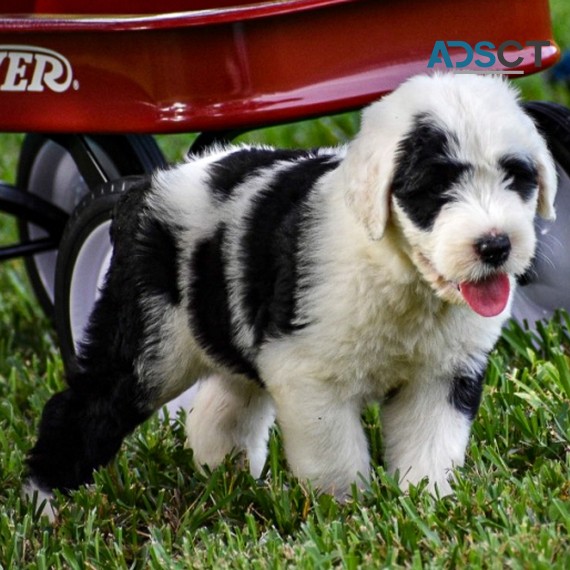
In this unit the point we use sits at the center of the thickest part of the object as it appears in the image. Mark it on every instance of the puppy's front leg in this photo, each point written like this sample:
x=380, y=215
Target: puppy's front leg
x=323, y=435
x=426, y=428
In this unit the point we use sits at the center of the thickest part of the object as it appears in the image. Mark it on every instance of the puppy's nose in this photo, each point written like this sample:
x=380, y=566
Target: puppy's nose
x=493, y=249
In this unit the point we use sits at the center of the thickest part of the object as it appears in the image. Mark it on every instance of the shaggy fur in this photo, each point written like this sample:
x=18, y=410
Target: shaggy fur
x=300, y=285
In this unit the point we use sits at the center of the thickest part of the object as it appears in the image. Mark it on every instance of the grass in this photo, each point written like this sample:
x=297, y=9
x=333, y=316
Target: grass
x=151, y=509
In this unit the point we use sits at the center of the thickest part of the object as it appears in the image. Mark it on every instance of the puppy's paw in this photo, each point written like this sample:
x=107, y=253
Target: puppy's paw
x=209, y=424
x=437, y=486
x=41, y=500
x=441, y=487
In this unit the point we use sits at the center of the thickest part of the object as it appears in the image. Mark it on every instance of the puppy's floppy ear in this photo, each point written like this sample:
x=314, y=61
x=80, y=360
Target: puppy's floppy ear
x=547, y=184
x=368, y=168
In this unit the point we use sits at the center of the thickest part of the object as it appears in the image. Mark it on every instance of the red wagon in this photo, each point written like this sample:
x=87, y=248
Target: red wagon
x=92, y=89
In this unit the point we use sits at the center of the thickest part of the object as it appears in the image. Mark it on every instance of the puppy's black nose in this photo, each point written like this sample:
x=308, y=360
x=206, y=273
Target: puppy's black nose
x=493, y=249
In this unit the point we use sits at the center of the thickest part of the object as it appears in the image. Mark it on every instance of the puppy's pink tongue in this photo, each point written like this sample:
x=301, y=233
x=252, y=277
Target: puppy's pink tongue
x=487, y=297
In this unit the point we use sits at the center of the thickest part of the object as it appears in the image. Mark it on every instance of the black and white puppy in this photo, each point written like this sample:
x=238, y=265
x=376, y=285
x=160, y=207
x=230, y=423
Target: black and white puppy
x=300, y=285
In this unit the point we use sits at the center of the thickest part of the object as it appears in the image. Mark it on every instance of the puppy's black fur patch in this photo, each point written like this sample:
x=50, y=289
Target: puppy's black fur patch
x=209, y=307
x=466, y=392
x=521, y=175
x=425, y=171
x=269, y=256
x=157, y=259
x=233, y=169
x=270, y=248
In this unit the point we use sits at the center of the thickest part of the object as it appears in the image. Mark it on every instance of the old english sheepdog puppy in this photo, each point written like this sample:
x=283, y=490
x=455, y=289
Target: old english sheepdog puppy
x=300, y=285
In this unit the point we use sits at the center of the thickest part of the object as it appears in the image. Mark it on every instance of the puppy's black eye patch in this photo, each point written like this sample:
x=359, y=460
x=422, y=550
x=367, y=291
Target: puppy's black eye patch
x=439, y=175
x=425, y=171
x=520, y=174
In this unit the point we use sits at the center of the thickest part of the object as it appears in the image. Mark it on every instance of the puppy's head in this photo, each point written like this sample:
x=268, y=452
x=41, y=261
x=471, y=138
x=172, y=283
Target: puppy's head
x=456, y=165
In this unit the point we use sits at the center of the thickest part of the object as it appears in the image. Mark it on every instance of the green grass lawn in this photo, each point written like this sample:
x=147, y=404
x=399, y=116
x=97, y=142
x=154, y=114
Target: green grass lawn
x=151, y=509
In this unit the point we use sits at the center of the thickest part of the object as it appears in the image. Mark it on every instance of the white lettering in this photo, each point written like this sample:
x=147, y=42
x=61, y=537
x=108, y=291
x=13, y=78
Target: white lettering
x=15, y=80
x=36, y=84
x=33, y=69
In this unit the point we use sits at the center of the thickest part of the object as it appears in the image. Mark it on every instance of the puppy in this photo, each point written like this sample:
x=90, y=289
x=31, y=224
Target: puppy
x=303, y=284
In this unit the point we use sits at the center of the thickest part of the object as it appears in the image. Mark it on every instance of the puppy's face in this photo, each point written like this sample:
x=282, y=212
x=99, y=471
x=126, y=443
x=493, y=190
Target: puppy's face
x=467, y=173
x=466, y=208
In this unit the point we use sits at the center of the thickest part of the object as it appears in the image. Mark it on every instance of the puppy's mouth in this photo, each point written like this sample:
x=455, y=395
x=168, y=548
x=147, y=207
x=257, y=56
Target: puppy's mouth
x=488, y=297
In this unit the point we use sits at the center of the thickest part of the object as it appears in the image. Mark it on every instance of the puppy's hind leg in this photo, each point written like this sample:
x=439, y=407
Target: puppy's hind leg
x=230, y=414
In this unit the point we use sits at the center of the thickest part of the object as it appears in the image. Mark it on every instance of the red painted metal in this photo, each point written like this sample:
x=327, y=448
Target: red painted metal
x=209, y=65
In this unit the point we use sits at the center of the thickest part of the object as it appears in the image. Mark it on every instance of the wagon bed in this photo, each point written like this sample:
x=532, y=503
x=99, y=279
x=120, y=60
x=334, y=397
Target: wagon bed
x=208, y=65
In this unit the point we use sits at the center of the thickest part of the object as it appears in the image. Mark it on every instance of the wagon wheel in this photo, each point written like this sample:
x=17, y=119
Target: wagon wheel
x=545, y=287
x=84, y=256
x=56, y=168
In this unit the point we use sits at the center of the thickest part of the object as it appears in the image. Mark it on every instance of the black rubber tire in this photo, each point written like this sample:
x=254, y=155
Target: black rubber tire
x=554, y=122
x=544, y=287
x=88, y=223
x=120, y=155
